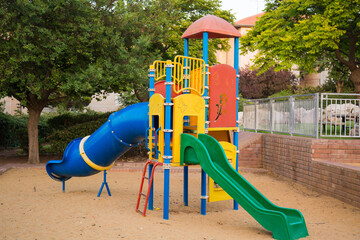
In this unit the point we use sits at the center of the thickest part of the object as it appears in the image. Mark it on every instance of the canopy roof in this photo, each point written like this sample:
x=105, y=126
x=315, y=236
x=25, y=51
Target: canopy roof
x=215, y=26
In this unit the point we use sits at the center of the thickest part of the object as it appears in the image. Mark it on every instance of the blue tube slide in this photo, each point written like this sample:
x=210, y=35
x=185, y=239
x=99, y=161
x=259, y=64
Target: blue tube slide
x=89, y=155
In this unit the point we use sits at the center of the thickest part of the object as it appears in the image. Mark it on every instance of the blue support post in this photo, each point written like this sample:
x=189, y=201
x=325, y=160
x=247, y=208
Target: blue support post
x=104, y=184
x=203, y=174
x=186, y=47
x=151, y=92
x=151, y=80
x=186, y=168
x=63, y=184
x=186, y=185
x=167, y=135
x=236, y=135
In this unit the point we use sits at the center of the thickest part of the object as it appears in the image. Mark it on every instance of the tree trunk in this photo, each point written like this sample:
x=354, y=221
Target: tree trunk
x=339, y=86
x=355, y=78
x=33, y=134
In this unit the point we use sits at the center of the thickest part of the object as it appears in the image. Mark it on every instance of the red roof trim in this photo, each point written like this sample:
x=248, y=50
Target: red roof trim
x=248, y=21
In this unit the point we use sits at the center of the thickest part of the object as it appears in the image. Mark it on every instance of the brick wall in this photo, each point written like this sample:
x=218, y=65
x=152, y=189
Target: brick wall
x=306, y=160
x=250, y=150
x=343, y=151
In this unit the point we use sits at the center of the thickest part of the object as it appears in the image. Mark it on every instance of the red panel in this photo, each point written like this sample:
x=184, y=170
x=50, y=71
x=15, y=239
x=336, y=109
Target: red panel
x=161, y=89
x=222, y=92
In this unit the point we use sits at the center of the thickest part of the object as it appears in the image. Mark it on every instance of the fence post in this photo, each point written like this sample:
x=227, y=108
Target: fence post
x=321, y=114
x=292, y=115
x=256, y=103
x=271, y=103
x=317, y=115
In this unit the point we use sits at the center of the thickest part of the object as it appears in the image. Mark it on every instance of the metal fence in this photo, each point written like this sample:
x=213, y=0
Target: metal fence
x=340, y=115
x=333, y=115
x=292, y=115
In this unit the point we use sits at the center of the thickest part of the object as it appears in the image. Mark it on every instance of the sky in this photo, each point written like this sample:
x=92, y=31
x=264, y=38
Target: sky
x=243, y=8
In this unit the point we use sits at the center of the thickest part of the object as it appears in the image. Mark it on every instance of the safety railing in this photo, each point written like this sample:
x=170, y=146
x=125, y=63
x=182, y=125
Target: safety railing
x=293, y=115
x=160, y=72
x=331, y=115
x=340, y=115
x=192, y=71
x=188, y=74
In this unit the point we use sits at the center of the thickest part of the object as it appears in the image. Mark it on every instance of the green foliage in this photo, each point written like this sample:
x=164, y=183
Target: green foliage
x=302, y=32
x=252, y=85
x=153, y=32
x=14, y=131
x=2, y=106
x=8, y=125
x=60, y=138
x=53, y=51
x=76, y=51
x=70, y=119
x=241, y=103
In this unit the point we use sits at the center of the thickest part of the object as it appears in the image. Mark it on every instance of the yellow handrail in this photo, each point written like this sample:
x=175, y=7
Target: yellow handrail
x=193, y=71
x=188, y=73
x=160, y=71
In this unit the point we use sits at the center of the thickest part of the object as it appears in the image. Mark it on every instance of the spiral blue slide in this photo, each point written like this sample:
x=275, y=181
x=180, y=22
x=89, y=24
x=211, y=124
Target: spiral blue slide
x=89, y=155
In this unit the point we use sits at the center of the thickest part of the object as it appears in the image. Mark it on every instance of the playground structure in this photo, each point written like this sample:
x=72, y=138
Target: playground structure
x=191, y=118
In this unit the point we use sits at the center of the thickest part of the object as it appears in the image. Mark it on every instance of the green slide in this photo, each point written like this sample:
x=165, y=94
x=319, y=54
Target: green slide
x=284, y=223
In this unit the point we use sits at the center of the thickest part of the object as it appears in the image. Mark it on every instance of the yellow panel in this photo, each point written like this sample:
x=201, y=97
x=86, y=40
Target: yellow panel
x=216, y=193
x=186, y=105
x=156, y=108
x=221, y=135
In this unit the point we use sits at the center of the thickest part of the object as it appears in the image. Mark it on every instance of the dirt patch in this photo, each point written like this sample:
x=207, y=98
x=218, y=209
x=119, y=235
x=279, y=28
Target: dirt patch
x=32, y=206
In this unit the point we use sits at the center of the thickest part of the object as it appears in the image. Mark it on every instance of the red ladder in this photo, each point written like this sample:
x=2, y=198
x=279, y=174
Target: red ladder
x=141, y=194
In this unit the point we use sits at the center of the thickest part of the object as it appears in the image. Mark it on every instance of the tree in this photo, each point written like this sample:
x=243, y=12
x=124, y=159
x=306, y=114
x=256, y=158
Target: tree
x=162, y=23
x=252, y=85
x=300, y=32
x=52, y=51
x=56, y=50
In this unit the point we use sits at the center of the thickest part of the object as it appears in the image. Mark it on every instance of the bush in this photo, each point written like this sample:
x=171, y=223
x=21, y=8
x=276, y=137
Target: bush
x=11, y=129
x=70, y=119
x=14, y=131
x=254, y=86
x=60, y=138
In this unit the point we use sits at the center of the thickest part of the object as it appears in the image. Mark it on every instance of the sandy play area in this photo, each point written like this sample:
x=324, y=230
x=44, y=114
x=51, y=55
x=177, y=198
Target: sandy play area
x=32, y=206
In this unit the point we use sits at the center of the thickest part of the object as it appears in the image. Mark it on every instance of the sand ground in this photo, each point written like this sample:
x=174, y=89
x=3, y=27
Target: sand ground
x=32, y=206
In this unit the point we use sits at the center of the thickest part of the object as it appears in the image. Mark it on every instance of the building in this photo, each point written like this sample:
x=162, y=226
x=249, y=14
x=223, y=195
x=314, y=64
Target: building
x=109, y=103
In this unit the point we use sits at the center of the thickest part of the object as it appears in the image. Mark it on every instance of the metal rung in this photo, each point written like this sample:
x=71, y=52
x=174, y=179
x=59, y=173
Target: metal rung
x=146, y=178
x=142, y=194
x=140, y=211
